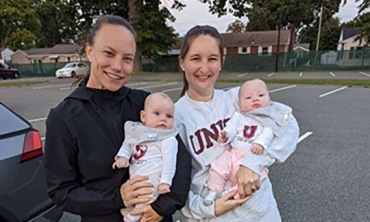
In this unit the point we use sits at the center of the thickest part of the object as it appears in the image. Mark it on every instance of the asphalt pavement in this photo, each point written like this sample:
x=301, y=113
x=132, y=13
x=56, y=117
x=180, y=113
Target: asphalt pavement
x=326, y=179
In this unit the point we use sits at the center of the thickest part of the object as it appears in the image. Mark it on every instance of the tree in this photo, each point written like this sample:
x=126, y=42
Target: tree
x=268, y=14
x=47, y=13
x=330, y=34
x=19, y=23
x=236, y=26
x=362, y=22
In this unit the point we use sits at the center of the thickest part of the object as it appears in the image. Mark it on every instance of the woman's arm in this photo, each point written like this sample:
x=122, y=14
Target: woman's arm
x=63, y=185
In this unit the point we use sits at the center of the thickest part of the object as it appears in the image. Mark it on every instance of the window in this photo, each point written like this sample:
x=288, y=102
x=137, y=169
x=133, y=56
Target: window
x=265, y=50
x=351, y=52
x=244, y=50
x=358, y=53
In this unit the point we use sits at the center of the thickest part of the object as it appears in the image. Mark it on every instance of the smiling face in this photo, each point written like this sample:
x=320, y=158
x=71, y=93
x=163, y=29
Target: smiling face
x=112, y=57
x=253, y=94
x=202, y=64
x=158, y=111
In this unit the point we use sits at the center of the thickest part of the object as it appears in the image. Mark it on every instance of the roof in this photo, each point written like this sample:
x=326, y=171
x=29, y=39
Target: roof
x=349, y=32
x=58, y=49
x=304, y=46
x=255, y=38
x=249, y=38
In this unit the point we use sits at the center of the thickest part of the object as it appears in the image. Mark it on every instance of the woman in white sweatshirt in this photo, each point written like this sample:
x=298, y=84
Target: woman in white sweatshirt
x=201, y=113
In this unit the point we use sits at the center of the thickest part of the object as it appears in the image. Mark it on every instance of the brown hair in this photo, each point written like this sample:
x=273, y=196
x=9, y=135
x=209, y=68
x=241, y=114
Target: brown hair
x=102, y=20
x=188, y=40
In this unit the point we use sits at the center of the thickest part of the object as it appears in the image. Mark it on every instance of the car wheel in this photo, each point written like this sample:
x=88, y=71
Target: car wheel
x=16, y=75
x=73, y=75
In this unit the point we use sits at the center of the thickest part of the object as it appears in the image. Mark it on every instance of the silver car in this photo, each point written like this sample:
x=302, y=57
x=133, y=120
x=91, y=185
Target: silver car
x=23, y=194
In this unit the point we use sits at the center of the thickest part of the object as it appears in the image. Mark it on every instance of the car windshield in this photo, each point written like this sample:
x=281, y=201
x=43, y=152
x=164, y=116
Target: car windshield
x=10, y=122
x=70, y=65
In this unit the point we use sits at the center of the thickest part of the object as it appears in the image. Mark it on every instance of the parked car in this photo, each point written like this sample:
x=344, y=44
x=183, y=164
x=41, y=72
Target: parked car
x=7, y=72
x=23, y=195
x=72, y=69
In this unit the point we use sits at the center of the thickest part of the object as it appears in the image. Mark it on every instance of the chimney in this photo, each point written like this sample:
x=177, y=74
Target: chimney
x=292, y=38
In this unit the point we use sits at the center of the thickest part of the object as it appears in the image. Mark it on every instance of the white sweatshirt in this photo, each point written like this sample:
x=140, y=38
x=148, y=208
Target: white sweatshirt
x=198, y=124
x=153, y=152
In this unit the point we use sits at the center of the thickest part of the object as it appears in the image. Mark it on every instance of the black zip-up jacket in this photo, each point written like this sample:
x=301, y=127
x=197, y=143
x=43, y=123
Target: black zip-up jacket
x=83, y=134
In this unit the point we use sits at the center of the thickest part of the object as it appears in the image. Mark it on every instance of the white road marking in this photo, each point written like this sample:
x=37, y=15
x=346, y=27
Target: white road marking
x=136, y=84
x=53, y=86
x=331, y=73
x=284, y=88
x=35, y=120
x=328, y=93
x=67, y=88
x=42, y=138
x=170, y=90
x=364, y=73
x=304, y=136
x=300, y=74
x=167, y=84
x=271, y=74
x=240, y=75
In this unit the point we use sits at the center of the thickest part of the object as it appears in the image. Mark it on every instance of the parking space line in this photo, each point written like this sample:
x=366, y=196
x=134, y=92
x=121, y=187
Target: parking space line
x=331, y=73
x=35, y=120
x=53, y=86
x=284, y=88
x=365, y=74
x=240, y=75
x=300, y=74
x=42, y=138
x=271, y=74
x=304, y=136
x=170, y=90
x=167, y=84
x=328, y=93
x=136, y=84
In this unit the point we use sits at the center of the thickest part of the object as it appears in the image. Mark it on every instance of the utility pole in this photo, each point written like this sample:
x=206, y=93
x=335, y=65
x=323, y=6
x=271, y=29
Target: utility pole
x=278, y=44
x=319, y=33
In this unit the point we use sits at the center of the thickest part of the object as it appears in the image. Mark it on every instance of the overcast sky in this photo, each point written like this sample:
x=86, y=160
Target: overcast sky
x=196, y=13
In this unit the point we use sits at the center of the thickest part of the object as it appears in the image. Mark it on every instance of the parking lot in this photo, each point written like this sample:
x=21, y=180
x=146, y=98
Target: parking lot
x=326, y=179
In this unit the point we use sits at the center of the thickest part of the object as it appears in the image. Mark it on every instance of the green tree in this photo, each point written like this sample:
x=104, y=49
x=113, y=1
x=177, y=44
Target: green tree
x=19, y=23
x=236, y=26
x=47, y=12
x=330, y=33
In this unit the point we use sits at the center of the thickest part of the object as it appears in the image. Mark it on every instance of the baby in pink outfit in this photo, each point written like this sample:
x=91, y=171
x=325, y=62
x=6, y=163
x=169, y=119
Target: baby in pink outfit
x=245, y=134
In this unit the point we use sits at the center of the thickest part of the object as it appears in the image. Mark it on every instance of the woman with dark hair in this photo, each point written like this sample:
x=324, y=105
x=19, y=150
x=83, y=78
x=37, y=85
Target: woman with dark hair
x=85, y=131
x=200, y=114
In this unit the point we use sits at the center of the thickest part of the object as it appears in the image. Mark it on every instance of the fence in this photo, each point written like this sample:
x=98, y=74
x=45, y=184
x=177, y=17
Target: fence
x=292, y=61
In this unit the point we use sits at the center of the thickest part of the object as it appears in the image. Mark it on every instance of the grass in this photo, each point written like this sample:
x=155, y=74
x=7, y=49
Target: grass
x=25, y=83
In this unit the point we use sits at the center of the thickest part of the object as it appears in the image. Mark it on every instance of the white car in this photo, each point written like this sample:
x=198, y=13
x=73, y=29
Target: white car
x=72, y=69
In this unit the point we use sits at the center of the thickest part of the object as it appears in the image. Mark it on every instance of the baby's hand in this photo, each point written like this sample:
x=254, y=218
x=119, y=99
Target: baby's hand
x=223, y=136
x=257, y=148
x=121, y=162
x=163, y=188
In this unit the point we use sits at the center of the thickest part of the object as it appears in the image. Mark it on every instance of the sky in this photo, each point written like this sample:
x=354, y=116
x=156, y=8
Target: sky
x=196, y=13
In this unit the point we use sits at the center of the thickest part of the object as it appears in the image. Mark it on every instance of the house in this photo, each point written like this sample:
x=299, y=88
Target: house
x=58, y=53
x=260, y=42
x=5, y=54
x=350, y=51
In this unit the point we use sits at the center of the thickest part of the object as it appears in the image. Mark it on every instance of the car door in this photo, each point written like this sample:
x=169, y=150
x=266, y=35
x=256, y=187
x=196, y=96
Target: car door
x=82, y=69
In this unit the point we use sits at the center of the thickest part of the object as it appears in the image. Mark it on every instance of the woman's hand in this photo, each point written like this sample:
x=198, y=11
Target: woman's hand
x=225, y=203
x=148, y=214
x=137, y=190
x=248, y=181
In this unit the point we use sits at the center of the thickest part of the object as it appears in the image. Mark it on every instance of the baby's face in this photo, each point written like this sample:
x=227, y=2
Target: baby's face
x=158, y=113
x=253, y=95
